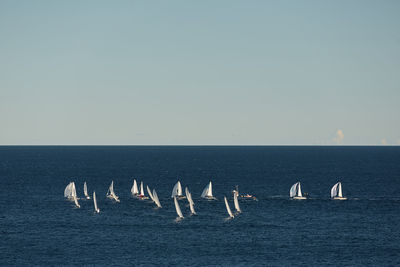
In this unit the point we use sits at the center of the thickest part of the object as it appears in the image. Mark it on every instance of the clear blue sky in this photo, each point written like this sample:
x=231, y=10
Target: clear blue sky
x=200, y=72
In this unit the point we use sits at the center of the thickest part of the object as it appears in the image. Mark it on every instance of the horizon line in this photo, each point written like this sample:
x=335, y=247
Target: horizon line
x=320, y=145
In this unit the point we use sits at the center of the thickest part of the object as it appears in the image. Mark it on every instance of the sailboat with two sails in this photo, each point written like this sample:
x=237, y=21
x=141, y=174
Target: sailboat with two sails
x=70, y=193
x=207, y=192
x=177, y=191
x=111, y=194
x=295, y=191
x=336, y=192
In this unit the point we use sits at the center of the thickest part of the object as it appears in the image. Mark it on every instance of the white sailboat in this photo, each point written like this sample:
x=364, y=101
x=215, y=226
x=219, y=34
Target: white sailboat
x=178, y=209
x=111, y=194
x=336, y=192
x=141, y=194
x=295, y=191
x=155, y=198
x=236, y=201
x=149, y=192
x=207, y=192
x=228, y=209
x=134, y=189
x=96, y=209
x=190, y=200
x=177, y=191
x=70, y=193
x=85, y=191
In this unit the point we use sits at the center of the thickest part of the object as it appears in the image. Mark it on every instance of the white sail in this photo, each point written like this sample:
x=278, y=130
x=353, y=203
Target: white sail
x=76, y=202
x=299, y=194
x=67, y=190
x=110, y=192
x=228, y=209
x=236, y=201
x=134, y=189
x=149, y=192
x=190, y=200
x=70, y=191
x=177, y=190
x=340, y=190
x=207, y=192
x=155, y=198
x=85, y=192
x=96, y=209
x=334, y=190
x=178, y=209
x=191, y=204
x=188, y=196
x=293, y=190
x=141, y=189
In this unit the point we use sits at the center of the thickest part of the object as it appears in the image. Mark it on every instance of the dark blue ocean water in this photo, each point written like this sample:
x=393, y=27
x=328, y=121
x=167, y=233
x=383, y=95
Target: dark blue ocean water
x=39, y=227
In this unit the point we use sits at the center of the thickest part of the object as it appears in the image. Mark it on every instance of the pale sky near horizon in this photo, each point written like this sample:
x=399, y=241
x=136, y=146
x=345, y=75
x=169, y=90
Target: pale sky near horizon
x=200, y=72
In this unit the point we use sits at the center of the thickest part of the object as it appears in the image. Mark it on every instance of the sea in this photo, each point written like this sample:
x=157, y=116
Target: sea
x=39, y=227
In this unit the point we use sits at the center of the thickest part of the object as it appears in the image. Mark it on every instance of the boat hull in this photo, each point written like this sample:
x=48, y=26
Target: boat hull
x=339, y=198
x=180, y=197
x=210, y=198
x=113, y=198
x=299, y=198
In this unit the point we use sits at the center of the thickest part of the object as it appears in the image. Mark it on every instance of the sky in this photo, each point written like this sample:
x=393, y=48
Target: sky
x=200, y=72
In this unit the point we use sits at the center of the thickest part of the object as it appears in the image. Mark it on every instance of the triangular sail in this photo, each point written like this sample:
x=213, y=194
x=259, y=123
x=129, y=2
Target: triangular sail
x=228, y=209
x=177, y=190
x=68, y=190
x=334, y=190
x=141, y=189
x=149, y=192
x=205, y=191
x=209, y=193
x=155, y=198
x=340, y=190
x=76, y=202
x=85, y=192
x=178, y=209
x=190, y=200
x=96, y=209
x=74, y=195
x=299, y=194
x=110, y=191
x=191, y=205
x=293, y=190
x=134, y=189
x=188, y=195
x=236, y=201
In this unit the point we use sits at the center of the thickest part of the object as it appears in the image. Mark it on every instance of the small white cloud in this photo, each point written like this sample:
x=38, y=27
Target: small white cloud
x=384, y=142
x=339, y=137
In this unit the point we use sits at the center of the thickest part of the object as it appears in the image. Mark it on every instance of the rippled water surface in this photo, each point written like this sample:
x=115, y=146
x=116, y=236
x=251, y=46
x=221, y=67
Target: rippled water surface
x=39, y=227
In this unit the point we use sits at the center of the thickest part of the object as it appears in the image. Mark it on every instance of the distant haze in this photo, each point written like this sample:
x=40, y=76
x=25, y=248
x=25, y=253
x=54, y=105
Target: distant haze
x=200, y=72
